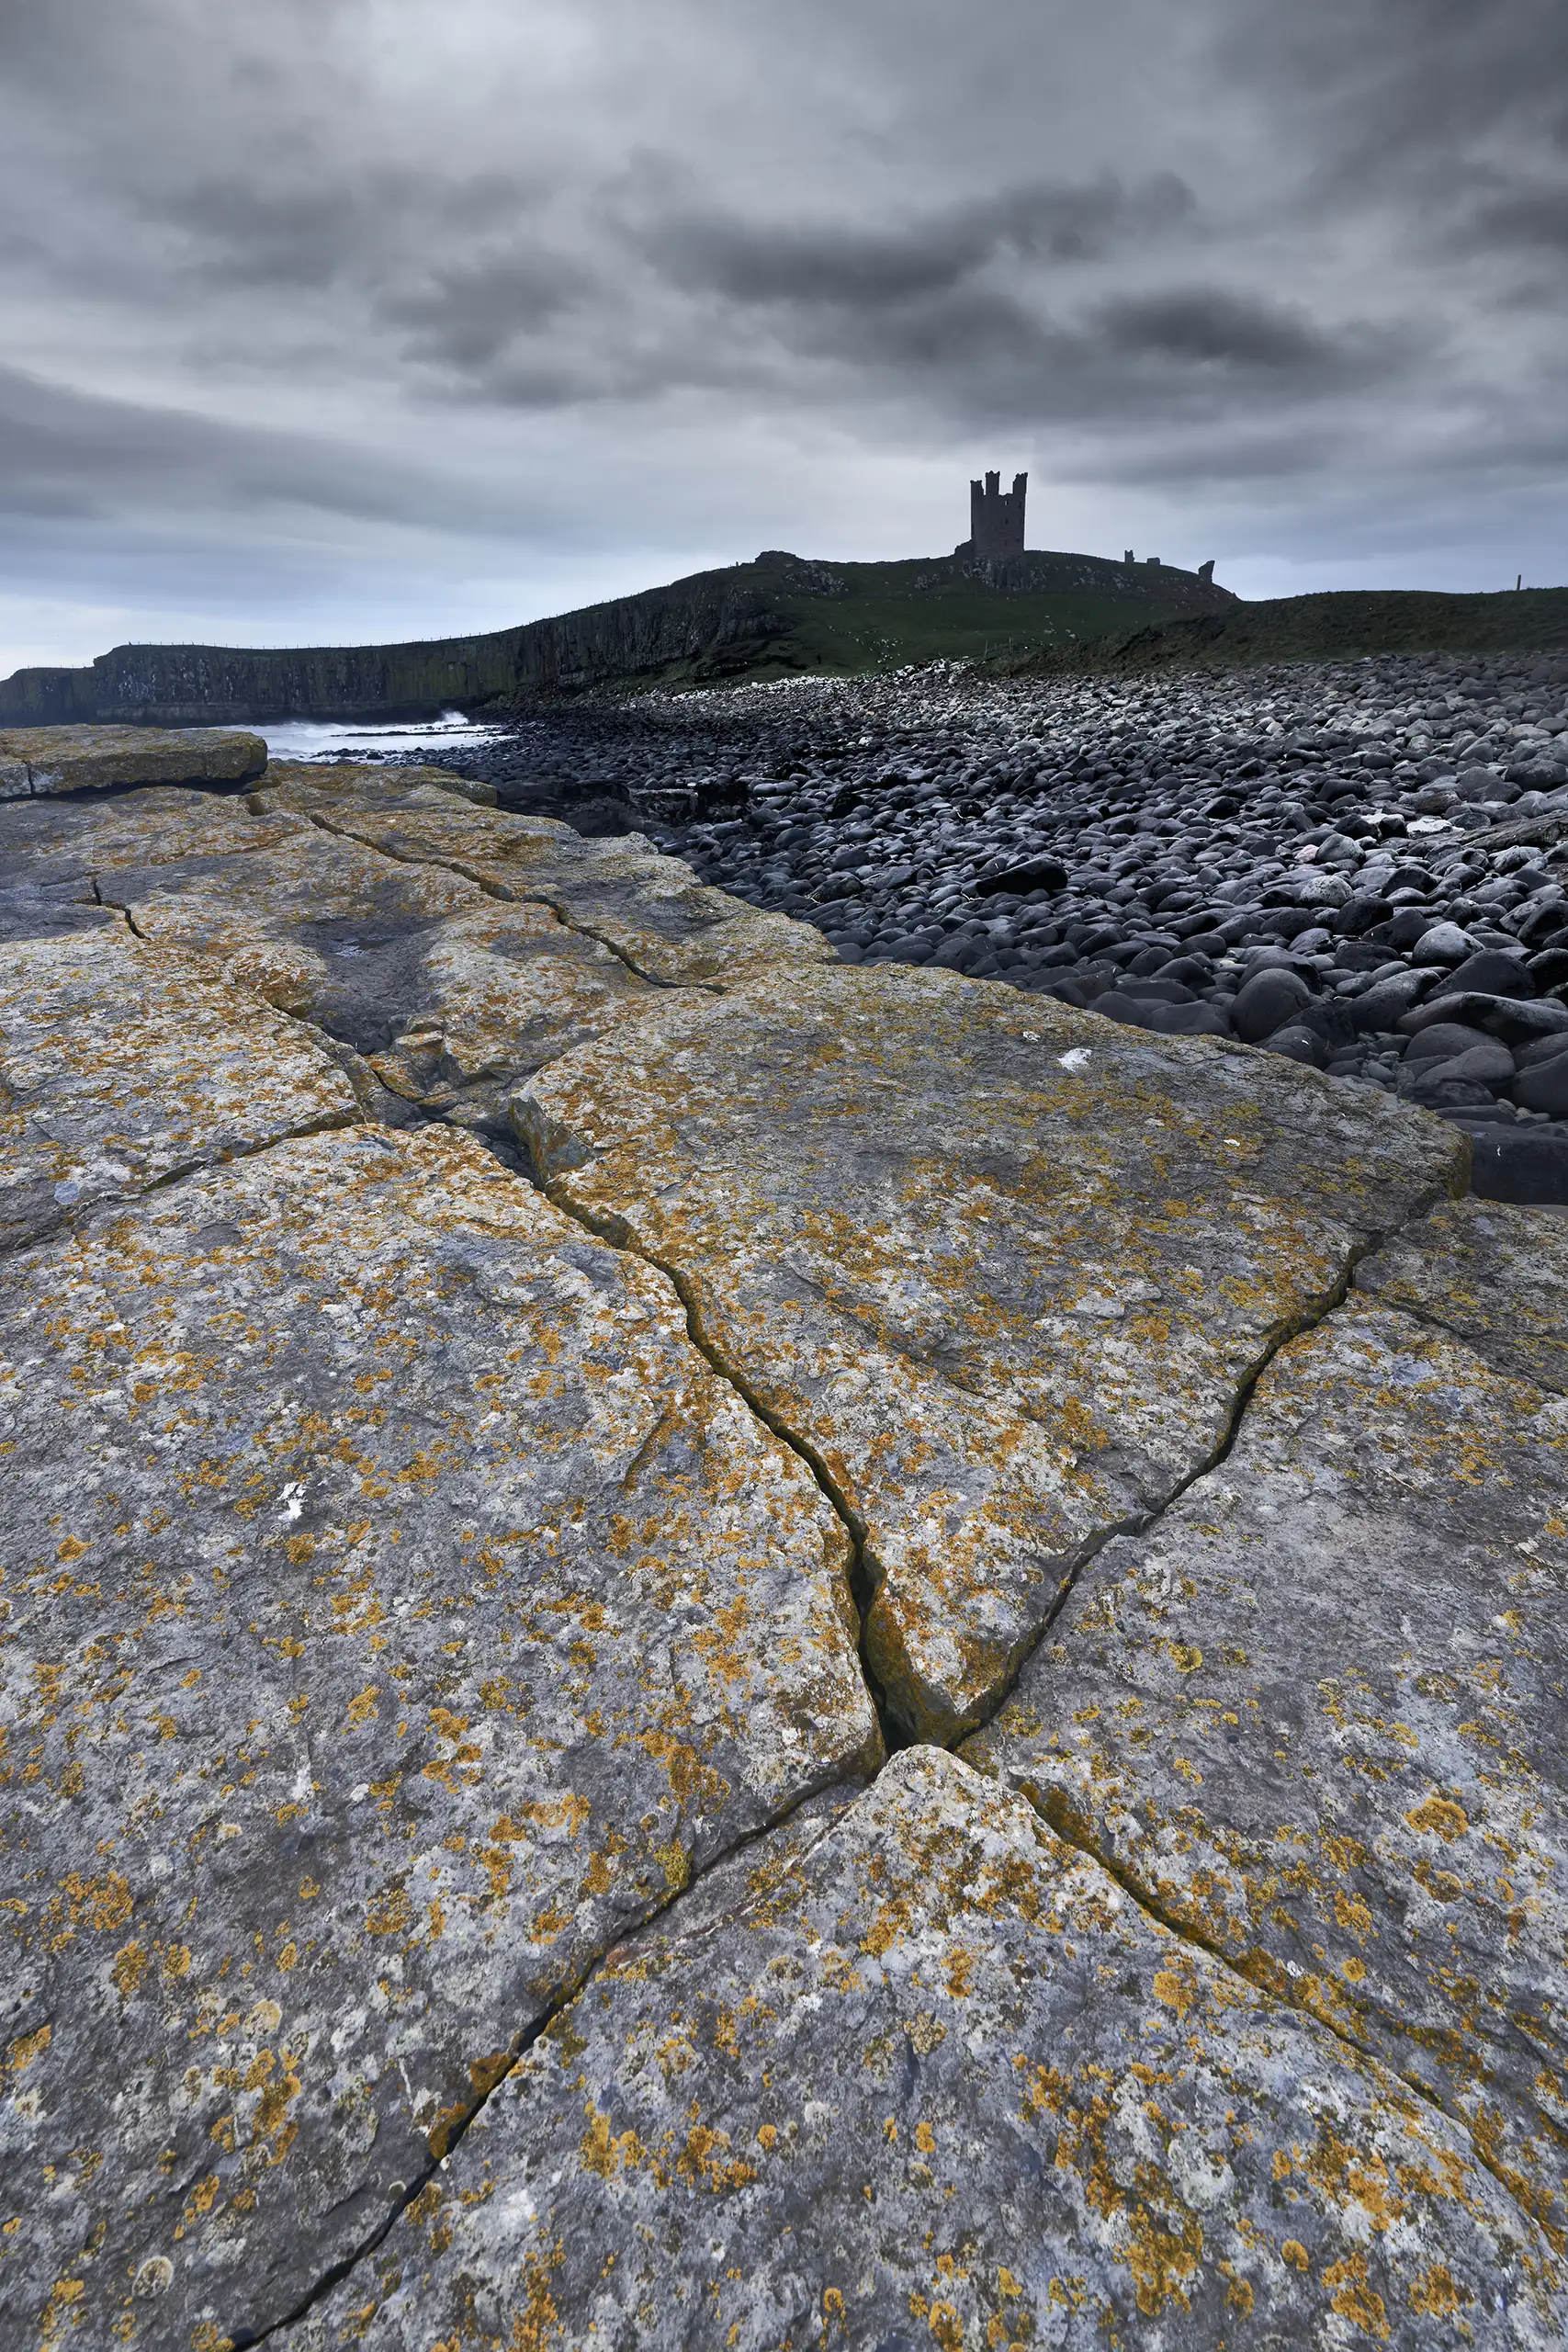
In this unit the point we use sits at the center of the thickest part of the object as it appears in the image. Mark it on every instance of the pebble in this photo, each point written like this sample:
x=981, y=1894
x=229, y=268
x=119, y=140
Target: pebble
x=1320, y=859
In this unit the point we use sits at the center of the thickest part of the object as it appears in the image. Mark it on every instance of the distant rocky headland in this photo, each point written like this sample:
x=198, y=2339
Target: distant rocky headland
x=786, y=615
x=779, y=615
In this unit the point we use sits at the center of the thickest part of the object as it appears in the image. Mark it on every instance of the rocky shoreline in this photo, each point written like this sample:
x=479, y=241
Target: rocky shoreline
x=704, y=1646
x=1364, y=866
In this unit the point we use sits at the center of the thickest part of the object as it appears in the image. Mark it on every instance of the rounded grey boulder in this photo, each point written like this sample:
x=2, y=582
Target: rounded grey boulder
x=1544, y=1088
x=1445, y=1040
x=1445, y=943
x=1495, y=971
x=1298, y=1044
x=1268, y=1001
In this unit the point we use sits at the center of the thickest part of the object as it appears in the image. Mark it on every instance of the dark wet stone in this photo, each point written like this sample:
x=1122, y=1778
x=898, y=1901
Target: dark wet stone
x=1190, y=1021
x=1446, y=1086
x=1488, y=1059
x=1513, y=1164
x=1156, y=989
x=1544, y=1088
x=1037, y=874
x=1268, y=1000
x=1443, y=1040
x=1509, y=1018
x=1494, y=970
x=1385, y=1003
x=1297, y=1043
x=1538, y=1050
x=1359, y=914
x=1196, y=971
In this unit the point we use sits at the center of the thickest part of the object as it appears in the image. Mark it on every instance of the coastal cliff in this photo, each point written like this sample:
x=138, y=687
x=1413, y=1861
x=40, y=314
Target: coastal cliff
x=778, y=614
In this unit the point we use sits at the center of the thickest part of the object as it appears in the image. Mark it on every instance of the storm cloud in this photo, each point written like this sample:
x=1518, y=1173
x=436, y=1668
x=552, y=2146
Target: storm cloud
x=364, y=318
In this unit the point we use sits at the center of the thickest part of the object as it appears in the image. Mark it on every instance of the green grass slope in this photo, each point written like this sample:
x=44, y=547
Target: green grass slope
x=779, y=615
x=1341, y=625
x=857, y=617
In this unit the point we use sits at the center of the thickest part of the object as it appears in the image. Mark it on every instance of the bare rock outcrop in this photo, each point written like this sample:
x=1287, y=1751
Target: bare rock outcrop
x=523, y=1381
x=40, y=760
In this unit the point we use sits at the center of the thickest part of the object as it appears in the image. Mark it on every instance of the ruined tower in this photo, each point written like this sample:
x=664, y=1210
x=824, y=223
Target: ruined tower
x=996, y=517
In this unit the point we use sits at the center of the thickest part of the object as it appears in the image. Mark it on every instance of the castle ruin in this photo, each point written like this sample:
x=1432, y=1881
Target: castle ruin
x=996, y=517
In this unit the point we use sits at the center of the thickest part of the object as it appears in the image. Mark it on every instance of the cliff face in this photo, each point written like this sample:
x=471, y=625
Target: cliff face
x=780, y=614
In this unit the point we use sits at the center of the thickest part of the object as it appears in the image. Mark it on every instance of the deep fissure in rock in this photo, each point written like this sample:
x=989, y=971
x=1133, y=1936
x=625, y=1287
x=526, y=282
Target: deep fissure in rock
x=241, y=2339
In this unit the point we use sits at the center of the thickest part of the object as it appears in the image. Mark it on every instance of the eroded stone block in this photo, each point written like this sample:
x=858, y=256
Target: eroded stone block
x=667, y=926
x=1318, y=1717
x=398, y=1609
x=1493, y=1275
x=120, y=1067
x=44, y=760
x=52, y=849
x=939, y=2081
x=455, y=997
x=1003, y=1268
x=359, y=779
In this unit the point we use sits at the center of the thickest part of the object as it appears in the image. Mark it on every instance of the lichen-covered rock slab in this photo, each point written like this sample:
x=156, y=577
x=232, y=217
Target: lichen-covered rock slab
x=939, y=2081
x=1318, y=1717
x=44, y=760
x=120, y=1067
x=1495, y=1275
x=360, y=777
x=1003, y=1268
x=51, y=850
x=320, y=927
x=449, y=992
x=667, y=927
x=505, y=989
x=397, y=1609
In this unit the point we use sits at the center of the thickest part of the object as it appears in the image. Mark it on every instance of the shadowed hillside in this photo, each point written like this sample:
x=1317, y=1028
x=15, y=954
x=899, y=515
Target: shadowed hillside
x=1338, y=625
x=778, y=614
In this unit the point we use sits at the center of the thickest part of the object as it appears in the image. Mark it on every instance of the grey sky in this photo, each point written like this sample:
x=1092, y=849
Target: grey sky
x=348, y=319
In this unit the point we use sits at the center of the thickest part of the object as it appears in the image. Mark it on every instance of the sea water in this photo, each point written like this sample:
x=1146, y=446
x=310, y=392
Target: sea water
x=310, y=739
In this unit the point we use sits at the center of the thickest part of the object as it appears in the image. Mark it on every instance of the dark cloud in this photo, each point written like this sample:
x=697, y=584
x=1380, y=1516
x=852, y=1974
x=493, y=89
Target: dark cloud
x=848, y=264
x=1209, y=328
x=314, y=226
x=1528, y=222
x=465, y=317
x=74, y=456
x=1408, y=93
x=643, y=288
x=270, y=236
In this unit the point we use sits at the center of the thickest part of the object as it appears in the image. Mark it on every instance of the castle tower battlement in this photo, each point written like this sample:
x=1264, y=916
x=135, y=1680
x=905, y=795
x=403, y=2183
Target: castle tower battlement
x=996, y=517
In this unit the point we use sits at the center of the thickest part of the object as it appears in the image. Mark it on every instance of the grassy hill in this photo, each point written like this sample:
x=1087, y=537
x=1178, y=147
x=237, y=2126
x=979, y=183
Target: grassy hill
x=1341, y=625
x=855, y=617
x=779, y=615
x=782, y=615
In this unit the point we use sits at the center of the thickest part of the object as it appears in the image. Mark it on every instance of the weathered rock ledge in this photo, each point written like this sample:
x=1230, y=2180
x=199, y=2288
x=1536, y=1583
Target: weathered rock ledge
x=701, y=1646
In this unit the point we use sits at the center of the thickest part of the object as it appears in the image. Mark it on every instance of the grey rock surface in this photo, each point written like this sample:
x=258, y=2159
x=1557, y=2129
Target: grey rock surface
x=398, y=1609
x=937, y=2081
x=449, y=1636
x=647, y=910
x=444, y=990
x=1004, y=1269
x=1315, y=1718
x=120, y=1069
x=39, y=761
x=1493, y=1275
